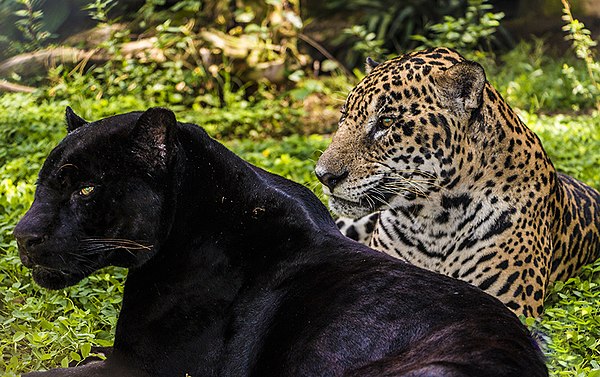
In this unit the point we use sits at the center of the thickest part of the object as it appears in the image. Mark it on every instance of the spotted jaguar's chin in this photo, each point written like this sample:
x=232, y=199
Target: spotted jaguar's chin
x=52, y=278
x=348, y=208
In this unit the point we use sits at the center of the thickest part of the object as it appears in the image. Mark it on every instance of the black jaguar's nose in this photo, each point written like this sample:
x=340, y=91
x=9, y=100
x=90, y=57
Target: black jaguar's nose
x=27, y=240
x=31, y=241
x=329, y=179
x=27, y=243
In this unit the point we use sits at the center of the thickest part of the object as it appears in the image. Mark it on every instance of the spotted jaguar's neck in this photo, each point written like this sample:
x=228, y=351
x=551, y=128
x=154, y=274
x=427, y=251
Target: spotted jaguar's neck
x=498, y=150
x=438, y=225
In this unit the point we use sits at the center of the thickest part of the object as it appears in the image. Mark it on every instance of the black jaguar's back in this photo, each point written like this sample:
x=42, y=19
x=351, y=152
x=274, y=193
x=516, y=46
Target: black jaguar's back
x=238, y=272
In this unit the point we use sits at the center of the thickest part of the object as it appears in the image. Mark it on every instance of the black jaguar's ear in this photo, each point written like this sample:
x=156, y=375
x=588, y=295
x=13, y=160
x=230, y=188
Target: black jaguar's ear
x=153, y=136
x=74, y=121
x=370, y=64
x=464, y=83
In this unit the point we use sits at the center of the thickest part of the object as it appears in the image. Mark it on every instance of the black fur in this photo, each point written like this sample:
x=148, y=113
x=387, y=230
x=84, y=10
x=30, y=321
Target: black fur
x=239, y=272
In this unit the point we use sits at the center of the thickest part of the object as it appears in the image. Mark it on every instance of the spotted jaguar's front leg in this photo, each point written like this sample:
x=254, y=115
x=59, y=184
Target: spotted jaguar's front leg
x=360, y=229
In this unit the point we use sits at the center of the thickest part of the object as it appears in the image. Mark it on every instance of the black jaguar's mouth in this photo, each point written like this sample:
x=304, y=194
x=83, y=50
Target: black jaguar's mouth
x=53, y=278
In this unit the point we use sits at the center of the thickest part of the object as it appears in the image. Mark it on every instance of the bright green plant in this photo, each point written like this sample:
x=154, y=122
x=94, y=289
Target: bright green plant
x=29, y=21
x=392, y=22
x=583, y=45
x=475, y=28
x=572, y=315
x=531, y=77
x=98, y=9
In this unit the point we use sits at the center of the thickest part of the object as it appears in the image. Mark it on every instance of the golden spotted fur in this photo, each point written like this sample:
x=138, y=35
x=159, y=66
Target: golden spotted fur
x=434, y=167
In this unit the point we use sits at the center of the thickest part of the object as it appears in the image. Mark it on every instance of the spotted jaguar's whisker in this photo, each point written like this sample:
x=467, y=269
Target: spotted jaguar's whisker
x=412, y=171
x=382, y=201
x=381, y=192
x=401, y=188
x=416, y=184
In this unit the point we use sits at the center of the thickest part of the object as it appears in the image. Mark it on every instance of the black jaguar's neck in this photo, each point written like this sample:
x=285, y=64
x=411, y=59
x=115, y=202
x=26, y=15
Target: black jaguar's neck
x=221, y=194
x=232, y=222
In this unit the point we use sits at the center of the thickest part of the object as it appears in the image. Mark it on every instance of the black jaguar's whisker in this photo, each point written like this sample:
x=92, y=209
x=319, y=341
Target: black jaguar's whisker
x=97, y=247
x=129, y=251
x=110, y=240
x=86, y=265
x=110, y=247
x=117, y=242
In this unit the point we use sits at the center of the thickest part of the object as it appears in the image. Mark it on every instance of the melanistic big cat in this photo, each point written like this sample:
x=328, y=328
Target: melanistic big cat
x=237, y=272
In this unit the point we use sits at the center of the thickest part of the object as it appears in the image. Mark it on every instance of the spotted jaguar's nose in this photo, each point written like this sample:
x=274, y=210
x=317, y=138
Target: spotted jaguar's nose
x=330, y=179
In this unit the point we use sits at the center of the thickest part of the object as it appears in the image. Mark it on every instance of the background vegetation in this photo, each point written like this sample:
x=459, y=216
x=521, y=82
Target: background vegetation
x=267, y=78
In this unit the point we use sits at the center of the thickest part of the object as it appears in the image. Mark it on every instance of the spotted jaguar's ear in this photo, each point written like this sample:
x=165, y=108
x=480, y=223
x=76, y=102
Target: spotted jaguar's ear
x=153, y=136
x=463, y=83
x=370, y=64
x=74, y=121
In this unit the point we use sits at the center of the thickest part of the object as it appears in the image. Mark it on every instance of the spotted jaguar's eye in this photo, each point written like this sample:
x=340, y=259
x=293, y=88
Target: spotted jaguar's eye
x=86, y=191
x=386, y=122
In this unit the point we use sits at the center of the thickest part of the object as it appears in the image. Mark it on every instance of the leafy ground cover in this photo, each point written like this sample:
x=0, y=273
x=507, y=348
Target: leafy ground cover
x=43, y=329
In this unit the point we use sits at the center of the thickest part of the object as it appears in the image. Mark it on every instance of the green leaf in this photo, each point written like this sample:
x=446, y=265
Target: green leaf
x=75, y=356
x=85, y=349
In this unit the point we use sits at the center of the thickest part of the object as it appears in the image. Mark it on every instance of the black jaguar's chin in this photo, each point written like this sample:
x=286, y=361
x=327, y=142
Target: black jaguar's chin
x=52, y=278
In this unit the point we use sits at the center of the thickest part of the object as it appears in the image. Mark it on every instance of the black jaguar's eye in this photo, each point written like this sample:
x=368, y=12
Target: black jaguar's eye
x=86, y=191
x=385, y=122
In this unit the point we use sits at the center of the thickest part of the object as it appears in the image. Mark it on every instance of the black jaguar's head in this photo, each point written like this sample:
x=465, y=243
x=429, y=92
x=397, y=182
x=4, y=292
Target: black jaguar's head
x=102, y=197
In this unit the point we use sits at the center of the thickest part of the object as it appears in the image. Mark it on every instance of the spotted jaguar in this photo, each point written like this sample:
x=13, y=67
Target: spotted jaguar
x=431, y=165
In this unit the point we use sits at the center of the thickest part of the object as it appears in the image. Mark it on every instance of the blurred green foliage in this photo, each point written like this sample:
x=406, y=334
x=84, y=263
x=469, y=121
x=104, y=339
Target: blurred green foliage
x=467, y=32
x=532, y=78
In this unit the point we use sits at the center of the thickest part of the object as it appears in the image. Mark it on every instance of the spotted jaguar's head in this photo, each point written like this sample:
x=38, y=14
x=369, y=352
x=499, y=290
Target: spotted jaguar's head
x=403, y=133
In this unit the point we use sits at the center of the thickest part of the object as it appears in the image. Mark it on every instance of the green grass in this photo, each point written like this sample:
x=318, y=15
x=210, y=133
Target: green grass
x=531, y=78
x=42, y=329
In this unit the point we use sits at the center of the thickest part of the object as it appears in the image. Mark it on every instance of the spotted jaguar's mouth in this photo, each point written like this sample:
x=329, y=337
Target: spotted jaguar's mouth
x=374, y=199
x=353, y=209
